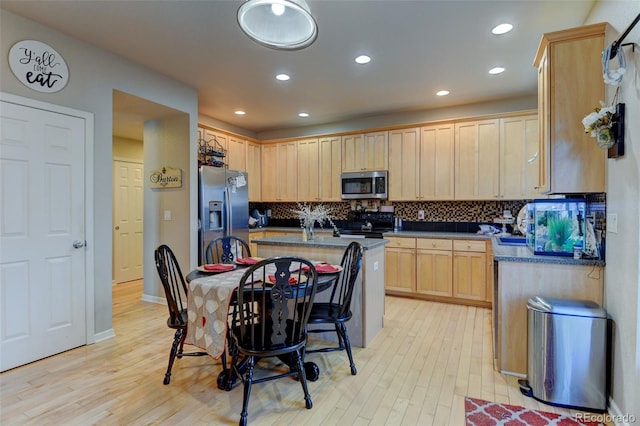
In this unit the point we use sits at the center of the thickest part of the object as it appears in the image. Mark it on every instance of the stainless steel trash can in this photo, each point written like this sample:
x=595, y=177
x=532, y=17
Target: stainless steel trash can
x=568, y=353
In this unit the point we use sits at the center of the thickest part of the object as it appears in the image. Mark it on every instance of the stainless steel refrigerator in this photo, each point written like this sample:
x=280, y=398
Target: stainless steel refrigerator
x=223, y=206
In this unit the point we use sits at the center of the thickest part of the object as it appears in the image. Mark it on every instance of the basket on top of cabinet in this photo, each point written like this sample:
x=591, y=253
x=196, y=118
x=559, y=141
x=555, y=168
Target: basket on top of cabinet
x=211, y=153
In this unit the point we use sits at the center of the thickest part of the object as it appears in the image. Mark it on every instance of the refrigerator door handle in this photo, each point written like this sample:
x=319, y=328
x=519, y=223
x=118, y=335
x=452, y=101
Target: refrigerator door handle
x=227, y=202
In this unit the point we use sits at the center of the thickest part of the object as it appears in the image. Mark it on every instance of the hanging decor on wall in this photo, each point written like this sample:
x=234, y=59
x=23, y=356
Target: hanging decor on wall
x=165, y=177
x=38, y=66
x=606, y=126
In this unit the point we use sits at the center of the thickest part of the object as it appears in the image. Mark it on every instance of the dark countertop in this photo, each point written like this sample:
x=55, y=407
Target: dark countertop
x=291, y=229
x=502, y=253
x=444, y=235
x=507, y=253
x=320, y=241
x=401, y=234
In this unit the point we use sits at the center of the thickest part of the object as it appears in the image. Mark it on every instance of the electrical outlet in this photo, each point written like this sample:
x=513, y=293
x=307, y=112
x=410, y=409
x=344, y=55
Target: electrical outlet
x=375, y=266
x=612, y=223
x=167, y=215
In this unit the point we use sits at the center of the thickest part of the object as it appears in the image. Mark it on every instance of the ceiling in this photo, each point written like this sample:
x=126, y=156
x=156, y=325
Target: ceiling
x=417, y=47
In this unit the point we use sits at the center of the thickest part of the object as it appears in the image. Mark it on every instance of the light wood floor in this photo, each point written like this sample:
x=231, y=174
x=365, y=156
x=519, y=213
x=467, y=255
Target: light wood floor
x=417, y=371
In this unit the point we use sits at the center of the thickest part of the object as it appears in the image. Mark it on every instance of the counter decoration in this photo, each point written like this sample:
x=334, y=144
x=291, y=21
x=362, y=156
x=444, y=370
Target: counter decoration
x=309, y=215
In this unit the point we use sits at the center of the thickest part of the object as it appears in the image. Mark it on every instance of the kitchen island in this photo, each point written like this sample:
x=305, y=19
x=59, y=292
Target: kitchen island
x=367, y=302
x=520, y=275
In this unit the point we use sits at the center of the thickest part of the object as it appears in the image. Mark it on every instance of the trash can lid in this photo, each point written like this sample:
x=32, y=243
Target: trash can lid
x=578, y=308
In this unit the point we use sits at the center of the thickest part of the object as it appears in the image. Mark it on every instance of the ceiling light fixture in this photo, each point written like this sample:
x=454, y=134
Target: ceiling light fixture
x=283, y=77
x=502, y=29
x=303, y=114
x=442, y=93
x=363, y=59
x=239, y=112
x=496, y=70
x=278, y=24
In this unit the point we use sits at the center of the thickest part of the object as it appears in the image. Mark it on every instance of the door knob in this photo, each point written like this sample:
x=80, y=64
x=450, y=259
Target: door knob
x=78, y=244
x=117, y=227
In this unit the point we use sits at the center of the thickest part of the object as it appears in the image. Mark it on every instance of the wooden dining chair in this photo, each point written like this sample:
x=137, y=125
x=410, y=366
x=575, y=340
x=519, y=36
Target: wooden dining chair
x=175, y=289
x=337, y=311
x=226, y=249
x=269, y=325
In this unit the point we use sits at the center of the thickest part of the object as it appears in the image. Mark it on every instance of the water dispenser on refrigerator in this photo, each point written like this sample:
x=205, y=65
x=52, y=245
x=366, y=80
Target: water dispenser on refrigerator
x=215, y=215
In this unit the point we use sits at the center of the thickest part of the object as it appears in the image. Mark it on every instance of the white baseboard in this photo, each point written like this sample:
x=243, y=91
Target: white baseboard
x=617, y=417
x=104, y=335
x=153, y=299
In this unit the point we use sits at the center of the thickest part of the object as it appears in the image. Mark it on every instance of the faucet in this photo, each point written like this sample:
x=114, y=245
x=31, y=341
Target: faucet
x=367, y=227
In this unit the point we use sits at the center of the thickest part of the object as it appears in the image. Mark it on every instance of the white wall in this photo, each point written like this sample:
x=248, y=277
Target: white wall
x=622, y=273
x=94, y=75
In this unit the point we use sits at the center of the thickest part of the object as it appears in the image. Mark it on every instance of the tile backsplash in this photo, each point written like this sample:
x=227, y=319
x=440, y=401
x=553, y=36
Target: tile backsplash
x=434, y=211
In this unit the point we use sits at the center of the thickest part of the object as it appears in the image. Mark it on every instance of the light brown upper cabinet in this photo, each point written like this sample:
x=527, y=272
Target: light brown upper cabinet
x=519, y=142
x=330, y=167
x=368, y=151
x=308, y=170
x=570, y=85
x=254, y=172
x=421, y=163
x=477, y=146
x=319, y=167
x=404, y=168
x=280, y=172
x=236, y=153
x=436, y=170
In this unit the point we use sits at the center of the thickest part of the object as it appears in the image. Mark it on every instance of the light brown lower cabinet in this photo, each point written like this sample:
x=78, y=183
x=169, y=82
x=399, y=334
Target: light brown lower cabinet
x=434, y=267
x=470, y=270
x=255, y=235
x=439, y=269
x=400, y=265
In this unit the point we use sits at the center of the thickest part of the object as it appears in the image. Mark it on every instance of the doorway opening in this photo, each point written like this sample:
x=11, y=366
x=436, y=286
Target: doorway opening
x=130, y=113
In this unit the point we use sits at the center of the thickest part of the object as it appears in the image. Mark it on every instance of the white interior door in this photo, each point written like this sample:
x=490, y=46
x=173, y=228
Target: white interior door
x=42, y=234
x=128, y=213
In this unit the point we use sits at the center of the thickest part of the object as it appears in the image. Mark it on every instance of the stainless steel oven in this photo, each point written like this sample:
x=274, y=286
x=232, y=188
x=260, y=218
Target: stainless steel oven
x=365, y=185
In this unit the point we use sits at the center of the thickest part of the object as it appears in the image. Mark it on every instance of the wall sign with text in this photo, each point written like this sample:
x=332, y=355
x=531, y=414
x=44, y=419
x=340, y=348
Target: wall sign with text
x=166, y=177
x=38, y=66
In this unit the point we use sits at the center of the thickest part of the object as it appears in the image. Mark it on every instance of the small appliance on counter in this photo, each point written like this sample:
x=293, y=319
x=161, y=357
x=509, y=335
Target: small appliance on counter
x=262, y=220
x=556, y=226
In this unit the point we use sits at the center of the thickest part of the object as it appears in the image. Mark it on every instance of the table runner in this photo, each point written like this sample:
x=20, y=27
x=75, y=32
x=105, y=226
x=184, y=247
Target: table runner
x=207, y=310
x=208, y=302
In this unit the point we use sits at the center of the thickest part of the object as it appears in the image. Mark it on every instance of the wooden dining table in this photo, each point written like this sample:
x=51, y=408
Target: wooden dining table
x=209, y=298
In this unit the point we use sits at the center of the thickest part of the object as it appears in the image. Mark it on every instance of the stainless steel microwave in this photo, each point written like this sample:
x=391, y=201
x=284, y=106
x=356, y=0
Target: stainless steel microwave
x=363, y=185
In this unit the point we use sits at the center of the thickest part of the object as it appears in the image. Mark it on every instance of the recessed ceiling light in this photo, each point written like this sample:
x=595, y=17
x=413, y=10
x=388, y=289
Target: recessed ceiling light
x=303, y=114
x=496, y=70
x=442, y=93
x=283, y=77
x=363, y=59
x=239, y=112
x=502, y=28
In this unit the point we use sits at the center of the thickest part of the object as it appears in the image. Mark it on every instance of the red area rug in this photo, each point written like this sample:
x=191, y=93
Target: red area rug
x=484, y=413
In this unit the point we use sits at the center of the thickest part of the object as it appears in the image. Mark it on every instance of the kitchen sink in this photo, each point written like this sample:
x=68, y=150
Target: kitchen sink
x=512, y=241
